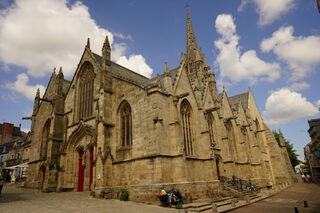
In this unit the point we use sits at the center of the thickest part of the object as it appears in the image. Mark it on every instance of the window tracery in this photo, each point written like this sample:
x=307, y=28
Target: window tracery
x=125, y=124
x=86, y=84
x=186, y=114
x=44, y=140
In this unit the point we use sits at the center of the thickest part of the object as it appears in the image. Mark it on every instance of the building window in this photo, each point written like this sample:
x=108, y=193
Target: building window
x=125, y=124
x=210, y=121
x=231, y=139
x=186, y=115
x=45, y=139
x=86, y=91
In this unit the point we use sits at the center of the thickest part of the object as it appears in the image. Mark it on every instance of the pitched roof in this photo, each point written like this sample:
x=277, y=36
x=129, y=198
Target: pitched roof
x=234, y=100
x=122, y=72
x=173, y=73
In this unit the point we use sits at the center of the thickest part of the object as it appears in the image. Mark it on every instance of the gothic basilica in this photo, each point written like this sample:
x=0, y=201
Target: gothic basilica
x=110, y=128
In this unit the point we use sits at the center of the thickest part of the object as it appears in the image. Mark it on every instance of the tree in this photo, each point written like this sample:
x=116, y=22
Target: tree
x=291, y=151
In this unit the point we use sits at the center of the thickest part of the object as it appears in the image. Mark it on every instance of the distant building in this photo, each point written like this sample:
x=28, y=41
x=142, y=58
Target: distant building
x=14, y=149
x=312, y=149
x=9, y=133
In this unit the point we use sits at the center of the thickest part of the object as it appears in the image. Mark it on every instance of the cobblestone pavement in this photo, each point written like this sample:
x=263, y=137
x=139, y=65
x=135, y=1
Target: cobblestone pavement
x=21, y=200
x=286, y=200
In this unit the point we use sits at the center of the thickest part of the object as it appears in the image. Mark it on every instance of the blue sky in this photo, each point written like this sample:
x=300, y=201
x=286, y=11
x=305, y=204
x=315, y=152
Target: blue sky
x=273, y=47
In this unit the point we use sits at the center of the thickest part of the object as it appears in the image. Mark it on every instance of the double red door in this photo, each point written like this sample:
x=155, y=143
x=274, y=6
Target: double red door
x=81, y=171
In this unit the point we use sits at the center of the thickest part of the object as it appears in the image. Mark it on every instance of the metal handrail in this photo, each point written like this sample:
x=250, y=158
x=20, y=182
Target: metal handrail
x=239, y=183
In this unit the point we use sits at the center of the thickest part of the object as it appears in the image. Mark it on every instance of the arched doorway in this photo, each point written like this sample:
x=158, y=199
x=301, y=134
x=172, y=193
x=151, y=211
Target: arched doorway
x=79, y=161
x=43, y=177
x=218, y=169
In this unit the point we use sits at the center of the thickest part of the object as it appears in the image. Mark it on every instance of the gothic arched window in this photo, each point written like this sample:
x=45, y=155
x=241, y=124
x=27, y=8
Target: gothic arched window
x=44, y=140
x=125, y=124
x=231, y=141
x=86, y=91
x=186, y=114
x=210, y=121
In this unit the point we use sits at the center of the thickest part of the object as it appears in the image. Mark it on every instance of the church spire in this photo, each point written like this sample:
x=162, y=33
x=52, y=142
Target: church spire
x=191, y=39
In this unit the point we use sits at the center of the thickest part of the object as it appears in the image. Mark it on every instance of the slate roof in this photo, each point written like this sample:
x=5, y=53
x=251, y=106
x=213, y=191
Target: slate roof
x=234, y=100
x=122, y=72
x=173, y=73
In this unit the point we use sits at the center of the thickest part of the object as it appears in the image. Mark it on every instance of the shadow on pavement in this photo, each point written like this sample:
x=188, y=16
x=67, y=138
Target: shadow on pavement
x=11, y=197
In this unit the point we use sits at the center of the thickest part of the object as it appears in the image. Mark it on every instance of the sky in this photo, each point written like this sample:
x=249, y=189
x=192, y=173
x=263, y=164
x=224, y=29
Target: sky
x=272, y=47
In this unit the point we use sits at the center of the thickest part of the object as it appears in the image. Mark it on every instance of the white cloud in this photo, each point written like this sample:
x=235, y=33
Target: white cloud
x=119, y=35
x=269, y=10
x=284, y=105
x=239, y=67
x=318, y=103
x=136, y=63
x=26, y=130
x=21, y=86
x=298, y=86
x=300, y=53
x=40, y=35
x=119, y=49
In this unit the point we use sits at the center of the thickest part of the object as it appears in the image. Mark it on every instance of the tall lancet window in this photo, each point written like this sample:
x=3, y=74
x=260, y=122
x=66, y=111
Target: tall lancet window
x=125, y=124
x=210, y=121
x=186, y=114
x=45, y=140
x=86, y=91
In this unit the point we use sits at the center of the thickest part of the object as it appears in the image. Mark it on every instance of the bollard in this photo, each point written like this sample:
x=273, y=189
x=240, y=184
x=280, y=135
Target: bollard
x=214, y=208
x=296, y=210
x=233, y=203
x=305, y=204
x=247, y=199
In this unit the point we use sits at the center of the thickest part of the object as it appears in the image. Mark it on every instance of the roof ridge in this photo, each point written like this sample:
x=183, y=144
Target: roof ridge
x=122, y=66
x=239, y=94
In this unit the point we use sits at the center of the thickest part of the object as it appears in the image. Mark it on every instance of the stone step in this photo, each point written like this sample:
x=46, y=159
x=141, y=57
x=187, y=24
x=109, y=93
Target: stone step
x=209, y=206
x=195, y=205
x=204, y=203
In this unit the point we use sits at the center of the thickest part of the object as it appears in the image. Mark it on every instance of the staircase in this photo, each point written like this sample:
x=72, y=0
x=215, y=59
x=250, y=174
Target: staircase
x=202, y=206
x=242, y=192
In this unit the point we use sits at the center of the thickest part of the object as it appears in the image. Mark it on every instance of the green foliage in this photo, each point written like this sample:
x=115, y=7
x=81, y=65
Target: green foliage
x=179, y=206
x=306, y=170
x=291, y=151
x=124, y=194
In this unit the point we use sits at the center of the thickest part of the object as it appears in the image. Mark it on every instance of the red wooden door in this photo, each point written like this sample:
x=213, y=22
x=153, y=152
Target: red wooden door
x=43, y=178
x=81, y=173
x=218, y=170
x=91, y=168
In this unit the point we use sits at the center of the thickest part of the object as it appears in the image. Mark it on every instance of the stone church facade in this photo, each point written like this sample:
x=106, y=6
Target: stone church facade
x=110, y=127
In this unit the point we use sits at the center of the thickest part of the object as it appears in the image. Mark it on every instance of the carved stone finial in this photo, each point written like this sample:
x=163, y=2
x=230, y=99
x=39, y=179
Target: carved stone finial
x=106, y=50
x=88, y=43
x=166, y=69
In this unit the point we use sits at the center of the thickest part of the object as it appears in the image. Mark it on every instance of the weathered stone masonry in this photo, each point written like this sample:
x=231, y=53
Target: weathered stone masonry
x=111, y=127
